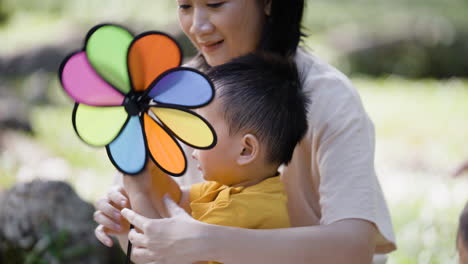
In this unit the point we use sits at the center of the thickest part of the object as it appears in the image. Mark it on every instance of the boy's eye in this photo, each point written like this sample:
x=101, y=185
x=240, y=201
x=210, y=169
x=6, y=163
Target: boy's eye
x=215, y=5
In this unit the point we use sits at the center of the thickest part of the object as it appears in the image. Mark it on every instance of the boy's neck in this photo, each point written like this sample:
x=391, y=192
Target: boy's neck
x=255, y=178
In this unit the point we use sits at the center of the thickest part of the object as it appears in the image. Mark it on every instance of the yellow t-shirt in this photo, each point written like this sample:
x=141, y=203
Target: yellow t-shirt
x=260, y=206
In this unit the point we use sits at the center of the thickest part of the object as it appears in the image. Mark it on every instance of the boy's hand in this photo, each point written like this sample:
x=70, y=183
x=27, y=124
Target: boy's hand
x=108, y=216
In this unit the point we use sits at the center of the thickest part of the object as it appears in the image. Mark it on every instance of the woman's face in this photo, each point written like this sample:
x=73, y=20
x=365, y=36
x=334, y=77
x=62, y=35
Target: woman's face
x=222, y=29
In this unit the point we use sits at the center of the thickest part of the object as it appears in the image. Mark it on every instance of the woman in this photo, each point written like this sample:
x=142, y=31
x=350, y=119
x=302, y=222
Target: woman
x=334, y=198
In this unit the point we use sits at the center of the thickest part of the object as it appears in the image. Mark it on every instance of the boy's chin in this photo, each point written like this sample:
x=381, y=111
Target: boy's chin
x=206, y=177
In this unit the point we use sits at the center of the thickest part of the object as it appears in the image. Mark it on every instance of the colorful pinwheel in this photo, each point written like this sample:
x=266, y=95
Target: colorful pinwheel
x=133, y=97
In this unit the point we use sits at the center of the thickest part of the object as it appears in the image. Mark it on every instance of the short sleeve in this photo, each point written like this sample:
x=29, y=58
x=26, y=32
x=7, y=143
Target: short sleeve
x=345, y=143
x=197, y=190
x=244, y=212
x=225, y=214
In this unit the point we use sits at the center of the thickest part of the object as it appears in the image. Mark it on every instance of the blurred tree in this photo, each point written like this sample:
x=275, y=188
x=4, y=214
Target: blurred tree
x=3, y=13
x=416, y=39
x=411, y=56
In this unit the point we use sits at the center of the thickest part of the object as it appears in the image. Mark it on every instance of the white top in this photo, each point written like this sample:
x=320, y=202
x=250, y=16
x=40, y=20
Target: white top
x=331, y=176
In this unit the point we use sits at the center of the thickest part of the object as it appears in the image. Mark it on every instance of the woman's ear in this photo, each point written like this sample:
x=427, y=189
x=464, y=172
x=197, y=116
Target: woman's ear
x=267, y=7
x=250, y=150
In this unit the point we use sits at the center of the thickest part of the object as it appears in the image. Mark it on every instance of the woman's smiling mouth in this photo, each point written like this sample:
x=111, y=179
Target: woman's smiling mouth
x=211, y=46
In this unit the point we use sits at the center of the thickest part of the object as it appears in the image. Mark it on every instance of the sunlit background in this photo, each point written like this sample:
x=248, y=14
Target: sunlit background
x=408, y=59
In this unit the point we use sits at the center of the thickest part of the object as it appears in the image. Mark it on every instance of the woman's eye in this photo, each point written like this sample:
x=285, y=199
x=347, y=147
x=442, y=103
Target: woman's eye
x=184, y=6
x=215, y=5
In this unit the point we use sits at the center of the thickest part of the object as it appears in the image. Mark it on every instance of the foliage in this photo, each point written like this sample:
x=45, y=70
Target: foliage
x=419, y=128
x=410, y=38
x=51, y=248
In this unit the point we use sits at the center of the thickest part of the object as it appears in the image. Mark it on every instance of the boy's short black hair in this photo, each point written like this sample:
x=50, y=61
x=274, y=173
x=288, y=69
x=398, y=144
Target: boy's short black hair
x=463, y=226
x=262, y=94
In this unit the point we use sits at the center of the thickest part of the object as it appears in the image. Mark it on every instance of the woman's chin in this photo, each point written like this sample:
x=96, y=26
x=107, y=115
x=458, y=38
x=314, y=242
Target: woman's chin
x=217, y=58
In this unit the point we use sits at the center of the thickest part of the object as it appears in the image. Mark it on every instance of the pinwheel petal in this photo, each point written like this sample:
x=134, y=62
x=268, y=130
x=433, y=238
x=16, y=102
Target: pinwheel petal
x=163, y=148
x=187, y=126
x=183, y=86
x=149, y=56
x=84, y=85
x=128, y=152
x=98, y=126
x=106, y=48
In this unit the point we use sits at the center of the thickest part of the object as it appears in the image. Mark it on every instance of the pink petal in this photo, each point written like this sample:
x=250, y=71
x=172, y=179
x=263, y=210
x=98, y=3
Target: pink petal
x=84, y=85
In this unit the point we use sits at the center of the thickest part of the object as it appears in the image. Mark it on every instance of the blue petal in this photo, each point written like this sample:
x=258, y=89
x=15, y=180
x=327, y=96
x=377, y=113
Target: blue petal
x=182, y=86
x=128, y=152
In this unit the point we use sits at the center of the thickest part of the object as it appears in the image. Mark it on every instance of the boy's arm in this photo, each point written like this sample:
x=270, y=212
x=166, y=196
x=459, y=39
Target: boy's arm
x=147, y=189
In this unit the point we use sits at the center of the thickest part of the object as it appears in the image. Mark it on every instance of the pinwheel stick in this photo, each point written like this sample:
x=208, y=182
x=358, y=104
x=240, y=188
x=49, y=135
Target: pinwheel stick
x=116, y=90
x=129, y=250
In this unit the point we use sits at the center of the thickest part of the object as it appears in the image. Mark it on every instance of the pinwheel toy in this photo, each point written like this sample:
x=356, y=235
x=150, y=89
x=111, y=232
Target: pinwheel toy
x=133, y=97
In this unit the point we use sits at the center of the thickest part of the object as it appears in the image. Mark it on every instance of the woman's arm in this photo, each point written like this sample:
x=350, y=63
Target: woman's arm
x=181, y=239
x=348, y=241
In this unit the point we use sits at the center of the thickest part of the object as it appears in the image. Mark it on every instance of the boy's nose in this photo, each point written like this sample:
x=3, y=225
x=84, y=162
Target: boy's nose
x=195, y=154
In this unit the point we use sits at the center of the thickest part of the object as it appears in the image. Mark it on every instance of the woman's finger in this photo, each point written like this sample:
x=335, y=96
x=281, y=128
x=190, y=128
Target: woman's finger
x=173, y=208
x=137, y=239
x=143, y=255
x=108, y=209
x=102, y=236
x=118, y=196
x=135, y=219
x=107, y=222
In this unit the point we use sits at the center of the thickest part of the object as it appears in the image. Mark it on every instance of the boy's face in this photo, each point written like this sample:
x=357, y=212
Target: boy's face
x=219, y=163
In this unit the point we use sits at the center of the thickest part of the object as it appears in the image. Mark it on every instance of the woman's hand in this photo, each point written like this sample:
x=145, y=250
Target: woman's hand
x=173, y=240
x=108, y=216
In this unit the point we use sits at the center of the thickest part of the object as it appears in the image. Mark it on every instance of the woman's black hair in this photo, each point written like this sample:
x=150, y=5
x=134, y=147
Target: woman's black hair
x=463, y=226
x=282, y=31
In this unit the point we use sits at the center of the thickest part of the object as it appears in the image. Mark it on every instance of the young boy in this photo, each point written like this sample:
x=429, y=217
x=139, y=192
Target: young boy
x=462, y=237
x=259, y=115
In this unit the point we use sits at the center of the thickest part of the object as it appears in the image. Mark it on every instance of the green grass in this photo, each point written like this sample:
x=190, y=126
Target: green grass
x=421, y=129
x=421, y=126
x=427, y=118
x=421, y=133
x=33, y=24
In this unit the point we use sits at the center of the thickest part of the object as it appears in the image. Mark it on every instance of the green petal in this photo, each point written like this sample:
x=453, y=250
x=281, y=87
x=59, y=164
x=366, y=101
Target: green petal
x=107, y=48
x=98, y=126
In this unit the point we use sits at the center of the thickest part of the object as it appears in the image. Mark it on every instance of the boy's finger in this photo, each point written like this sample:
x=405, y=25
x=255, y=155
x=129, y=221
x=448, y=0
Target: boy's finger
x=134, y=218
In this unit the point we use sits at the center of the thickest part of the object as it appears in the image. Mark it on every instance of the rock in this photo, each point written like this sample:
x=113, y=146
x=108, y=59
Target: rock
x=46, y=222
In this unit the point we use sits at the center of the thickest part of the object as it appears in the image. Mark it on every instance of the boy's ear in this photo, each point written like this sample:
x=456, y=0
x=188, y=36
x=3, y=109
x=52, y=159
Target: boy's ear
x=250, y=150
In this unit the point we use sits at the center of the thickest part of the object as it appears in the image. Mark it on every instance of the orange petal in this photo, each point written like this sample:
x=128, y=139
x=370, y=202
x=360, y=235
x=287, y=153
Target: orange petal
x=150, y=55
x=164, y=150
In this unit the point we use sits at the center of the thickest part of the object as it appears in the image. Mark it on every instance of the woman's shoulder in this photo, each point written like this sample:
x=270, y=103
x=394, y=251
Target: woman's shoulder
x=329, y=89
x=316, y=73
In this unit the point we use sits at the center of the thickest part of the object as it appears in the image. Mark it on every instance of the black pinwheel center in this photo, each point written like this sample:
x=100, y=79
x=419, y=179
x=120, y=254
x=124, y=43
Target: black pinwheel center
x=135, y=103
